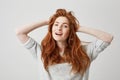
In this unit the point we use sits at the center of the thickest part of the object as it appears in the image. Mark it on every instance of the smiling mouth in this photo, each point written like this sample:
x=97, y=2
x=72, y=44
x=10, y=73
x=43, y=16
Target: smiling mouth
x=59, y=34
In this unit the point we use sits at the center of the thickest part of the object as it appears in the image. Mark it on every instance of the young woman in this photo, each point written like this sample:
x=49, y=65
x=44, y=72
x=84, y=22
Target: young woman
x=62, y=55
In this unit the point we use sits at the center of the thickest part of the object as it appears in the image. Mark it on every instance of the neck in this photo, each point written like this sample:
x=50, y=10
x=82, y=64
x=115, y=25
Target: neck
x=62, y=46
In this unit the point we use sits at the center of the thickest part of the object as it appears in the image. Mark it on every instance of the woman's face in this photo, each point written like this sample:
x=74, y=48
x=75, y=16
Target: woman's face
x=60, y=29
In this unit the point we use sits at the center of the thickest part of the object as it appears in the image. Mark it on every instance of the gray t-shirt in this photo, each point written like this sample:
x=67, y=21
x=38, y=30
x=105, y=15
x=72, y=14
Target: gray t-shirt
x=62, y=71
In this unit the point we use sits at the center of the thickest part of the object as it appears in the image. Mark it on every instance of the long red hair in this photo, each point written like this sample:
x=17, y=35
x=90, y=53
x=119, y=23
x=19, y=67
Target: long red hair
x=74, y=54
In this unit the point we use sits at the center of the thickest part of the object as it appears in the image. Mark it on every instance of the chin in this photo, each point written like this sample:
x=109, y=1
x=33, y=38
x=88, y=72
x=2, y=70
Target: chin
x=59, y=40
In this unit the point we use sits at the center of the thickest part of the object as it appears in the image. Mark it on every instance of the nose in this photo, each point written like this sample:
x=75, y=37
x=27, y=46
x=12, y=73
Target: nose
x=59, y=27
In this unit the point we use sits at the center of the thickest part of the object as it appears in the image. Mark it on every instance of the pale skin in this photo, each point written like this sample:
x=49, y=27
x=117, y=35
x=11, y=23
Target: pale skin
x=60, y=32
x=61, y=28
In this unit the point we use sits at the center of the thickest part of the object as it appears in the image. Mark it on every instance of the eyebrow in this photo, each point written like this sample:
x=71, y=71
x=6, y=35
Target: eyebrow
x=63, y=23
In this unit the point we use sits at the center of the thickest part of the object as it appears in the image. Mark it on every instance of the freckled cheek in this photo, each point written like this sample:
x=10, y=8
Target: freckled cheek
x=53, y=31
x=67, y=33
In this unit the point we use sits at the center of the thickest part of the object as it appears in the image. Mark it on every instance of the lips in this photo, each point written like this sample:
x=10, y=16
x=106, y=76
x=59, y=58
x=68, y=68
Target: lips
x=58, y=33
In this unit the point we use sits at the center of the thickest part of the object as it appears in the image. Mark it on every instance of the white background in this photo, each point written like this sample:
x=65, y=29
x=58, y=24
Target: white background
x=16, y=63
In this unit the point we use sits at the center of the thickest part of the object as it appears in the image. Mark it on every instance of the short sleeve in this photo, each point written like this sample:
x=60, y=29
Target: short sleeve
x=33, y=47
x=94, y=48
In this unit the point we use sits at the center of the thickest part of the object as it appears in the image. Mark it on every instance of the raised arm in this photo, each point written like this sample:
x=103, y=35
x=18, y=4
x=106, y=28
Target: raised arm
x=104, y=36
x=22, y=32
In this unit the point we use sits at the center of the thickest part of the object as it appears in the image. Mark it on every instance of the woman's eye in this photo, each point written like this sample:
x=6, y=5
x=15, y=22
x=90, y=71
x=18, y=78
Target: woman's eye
x=56, y=24
x=66, y=26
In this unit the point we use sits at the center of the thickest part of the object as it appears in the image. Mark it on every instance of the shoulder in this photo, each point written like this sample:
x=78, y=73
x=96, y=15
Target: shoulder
x=33, y=46
x=84, y=45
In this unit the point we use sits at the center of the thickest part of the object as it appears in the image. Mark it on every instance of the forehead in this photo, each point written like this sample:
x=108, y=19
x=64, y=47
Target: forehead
x=62, y=19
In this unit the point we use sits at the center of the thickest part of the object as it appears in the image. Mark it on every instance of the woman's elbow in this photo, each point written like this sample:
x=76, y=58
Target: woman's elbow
x=19, y=31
